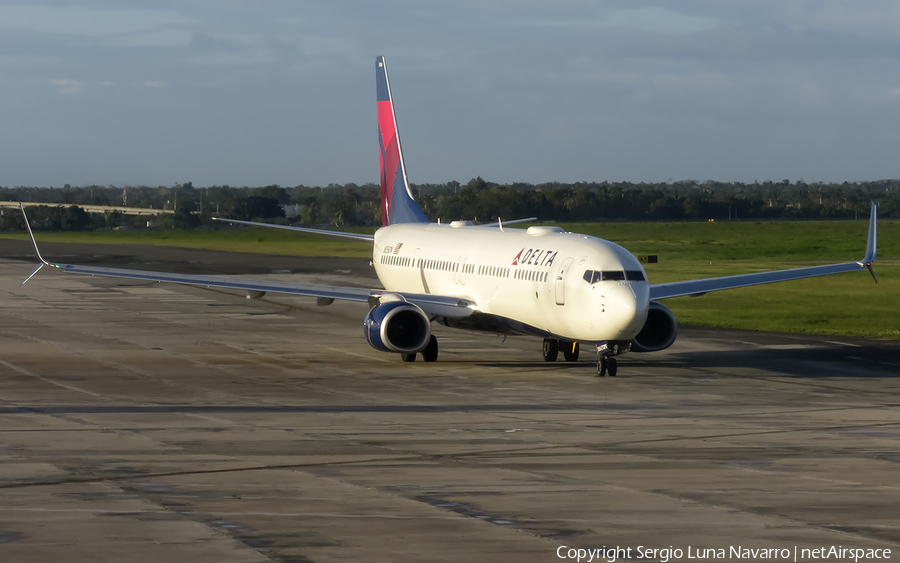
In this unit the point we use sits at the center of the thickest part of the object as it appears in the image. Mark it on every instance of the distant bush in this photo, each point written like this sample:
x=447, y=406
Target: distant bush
x=479, y=199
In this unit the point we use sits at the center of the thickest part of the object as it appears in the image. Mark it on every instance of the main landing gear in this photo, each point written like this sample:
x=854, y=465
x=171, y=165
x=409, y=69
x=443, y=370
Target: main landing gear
x=551, y=349
x=429, y=354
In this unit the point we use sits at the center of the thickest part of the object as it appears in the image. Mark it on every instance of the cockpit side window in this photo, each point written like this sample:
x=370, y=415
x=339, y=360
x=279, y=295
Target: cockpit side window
x=592, y=276
x=634, y=275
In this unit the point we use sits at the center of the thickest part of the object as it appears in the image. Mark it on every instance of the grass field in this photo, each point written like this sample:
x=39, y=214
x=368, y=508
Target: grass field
x=845, y=304
x=262, y=241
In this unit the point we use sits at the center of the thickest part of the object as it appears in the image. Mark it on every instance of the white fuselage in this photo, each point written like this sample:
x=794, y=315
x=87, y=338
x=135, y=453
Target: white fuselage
x=534, y=278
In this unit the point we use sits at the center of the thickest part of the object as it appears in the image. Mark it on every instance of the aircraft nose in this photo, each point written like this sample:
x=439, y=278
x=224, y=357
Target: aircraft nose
x=623, y=297
x=630, y=302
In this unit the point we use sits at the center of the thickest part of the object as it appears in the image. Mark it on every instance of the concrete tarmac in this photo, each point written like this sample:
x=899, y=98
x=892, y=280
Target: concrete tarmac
x=148, y=422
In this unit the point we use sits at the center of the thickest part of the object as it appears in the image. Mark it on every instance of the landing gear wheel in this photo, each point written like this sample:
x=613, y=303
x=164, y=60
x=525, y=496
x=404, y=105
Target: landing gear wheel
x=408, y=357
x=612, y=367
x=430, y=353
x=601, y=366
x=550, y=349
x=570, y=351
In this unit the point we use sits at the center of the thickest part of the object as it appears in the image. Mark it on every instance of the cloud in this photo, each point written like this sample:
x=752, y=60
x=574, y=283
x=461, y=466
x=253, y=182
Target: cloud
x=86, y=21
x=808, y=93
x=666, y=81
x=68, y=87
x=656, y=19
x=627, y=89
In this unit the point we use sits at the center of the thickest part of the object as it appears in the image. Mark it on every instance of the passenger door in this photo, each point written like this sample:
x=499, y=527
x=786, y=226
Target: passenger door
x=561, y=281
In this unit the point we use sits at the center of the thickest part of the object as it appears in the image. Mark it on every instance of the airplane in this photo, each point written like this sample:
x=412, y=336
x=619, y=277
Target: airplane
x=567, y=288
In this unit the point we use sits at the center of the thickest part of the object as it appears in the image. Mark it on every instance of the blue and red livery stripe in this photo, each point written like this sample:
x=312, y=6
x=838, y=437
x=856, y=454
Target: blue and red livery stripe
x=397, y=204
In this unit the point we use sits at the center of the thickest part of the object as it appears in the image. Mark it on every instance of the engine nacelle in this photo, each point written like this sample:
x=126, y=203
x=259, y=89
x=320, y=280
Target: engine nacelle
x=659, y=330
x=397, y=326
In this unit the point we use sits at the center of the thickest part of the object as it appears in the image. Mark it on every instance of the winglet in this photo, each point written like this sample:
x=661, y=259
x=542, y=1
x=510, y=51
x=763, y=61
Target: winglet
x=33, y=246
x=871, y=244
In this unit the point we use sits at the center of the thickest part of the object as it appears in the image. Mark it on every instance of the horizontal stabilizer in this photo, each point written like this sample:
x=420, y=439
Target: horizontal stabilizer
x=513, y=222
x=360, y=237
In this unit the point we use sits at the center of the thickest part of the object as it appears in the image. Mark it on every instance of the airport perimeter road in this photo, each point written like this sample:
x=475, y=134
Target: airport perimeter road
x=142, y=422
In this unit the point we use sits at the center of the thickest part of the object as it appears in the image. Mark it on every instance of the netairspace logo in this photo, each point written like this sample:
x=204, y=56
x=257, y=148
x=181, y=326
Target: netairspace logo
x=732, y=553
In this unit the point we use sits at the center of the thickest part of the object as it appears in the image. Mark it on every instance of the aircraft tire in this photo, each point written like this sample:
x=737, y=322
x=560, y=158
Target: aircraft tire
x=408, y=357
x=550, y=349
x=430, y=353
x=613, y=367
x=601, y=366
x=570, y=351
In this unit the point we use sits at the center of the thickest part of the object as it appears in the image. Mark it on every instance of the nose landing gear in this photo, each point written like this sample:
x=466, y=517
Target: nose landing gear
x=606, y=352
x=607, y=364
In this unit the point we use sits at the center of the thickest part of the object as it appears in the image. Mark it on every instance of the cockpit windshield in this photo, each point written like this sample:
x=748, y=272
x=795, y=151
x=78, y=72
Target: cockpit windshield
x=594, y=276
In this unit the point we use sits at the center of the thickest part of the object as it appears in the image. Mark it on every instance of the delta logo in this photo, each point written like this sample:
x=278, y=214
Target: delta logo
x=534, y=257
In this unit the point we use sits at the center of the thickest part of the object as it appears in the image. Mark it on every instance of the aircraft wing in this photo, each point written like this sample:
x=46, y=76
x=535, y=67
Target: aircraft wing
x=431, y=304
x=438, y=305
x=340, y=234
x=699, y=287
x=224, y=282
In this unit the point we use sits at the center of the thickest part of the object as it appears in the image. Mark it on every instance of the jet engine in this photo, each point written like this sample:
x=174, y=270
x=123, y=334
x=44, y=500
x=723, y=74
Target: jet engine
x=659, y=331
x=397, y=326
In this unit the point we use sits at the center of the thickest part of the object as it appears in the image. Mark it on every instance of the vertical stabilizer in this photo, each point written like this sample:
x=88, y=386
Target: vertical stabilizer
x=397, y=204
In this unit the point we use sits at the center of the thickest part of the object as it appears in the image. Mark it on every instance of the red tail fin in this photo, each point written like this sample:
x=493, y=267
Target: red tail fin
x=397, y=204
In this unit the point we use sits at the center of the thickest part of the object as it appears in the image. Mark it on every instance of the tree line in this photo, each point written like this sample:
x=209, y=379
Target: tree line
x=478, y=200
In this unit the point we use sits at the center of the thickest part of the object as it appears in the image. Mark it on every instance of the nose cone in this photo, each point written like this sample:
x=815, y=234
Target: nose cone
x=629, y=303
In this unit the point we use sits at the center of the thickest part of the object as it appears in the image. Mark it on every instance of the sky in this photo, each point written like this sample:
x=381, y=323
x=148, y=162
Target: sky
x=283, y=91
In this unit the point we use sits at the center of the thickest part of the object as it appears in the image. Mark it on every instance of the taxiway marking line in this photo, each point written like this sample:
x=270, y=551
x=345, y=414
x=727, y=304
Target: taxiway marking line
x=46, y=380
